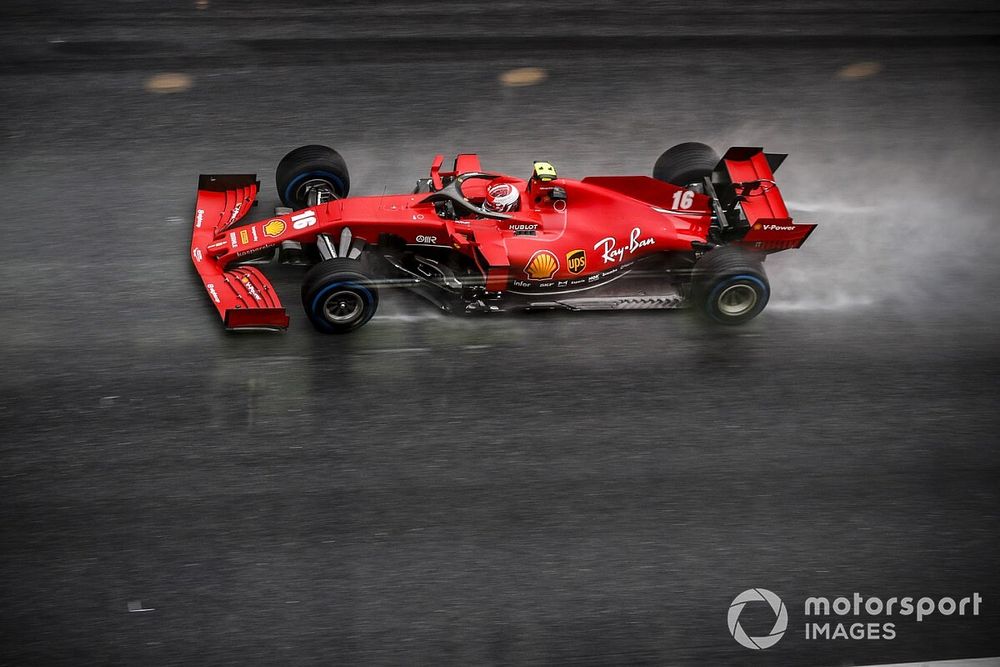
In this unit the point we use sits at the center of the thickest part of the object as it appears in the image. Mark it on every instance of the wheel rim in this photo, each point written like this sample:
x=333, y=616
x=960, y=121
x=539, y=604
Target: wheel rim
x=737, y=300
x=343, y=307
x=317, y=184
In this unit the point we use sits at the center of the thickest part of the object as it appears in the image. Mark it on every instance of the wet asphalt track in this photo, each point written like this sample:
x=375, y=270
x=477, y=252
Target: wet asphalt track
x=546, y=489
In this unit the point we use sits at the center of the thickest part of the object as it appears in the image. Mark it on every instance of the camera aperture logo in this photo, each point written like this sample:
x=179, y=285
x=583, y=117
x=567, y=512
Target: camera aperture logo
x=780, y=618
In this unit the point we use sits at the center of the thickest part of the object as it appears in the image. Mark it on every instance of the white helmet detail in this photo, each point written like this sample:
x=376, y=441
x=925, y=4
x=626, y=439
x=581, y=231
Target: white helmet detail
x=502, y=198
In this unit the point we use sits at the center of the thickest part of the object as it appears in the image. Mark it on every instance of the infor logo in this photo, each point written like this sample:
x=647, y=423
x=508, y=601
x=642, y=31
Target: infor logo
x=780, y=618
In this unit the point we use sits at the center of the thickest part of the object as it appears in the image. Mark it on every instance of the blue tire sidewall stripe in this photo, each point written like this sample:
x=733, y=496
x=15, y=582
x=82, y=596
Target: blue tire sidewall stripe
x=765, y=291
x=336, y=180
x=369, y=299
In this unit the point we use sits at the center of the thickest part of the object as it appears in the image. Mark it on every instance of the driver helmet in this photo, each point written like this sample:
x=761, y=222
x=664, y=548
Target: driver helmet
x=502, y=196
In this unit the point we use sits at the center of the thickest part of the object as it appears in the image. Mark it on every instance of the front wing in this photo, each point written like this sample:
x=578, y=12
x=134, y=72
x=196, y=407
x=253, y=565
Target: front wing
x=243, y=296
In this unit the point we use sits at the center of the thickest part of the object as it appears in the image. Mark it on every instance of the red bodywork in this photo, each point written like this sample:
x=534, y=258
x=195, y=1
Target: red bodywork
x=550, y=245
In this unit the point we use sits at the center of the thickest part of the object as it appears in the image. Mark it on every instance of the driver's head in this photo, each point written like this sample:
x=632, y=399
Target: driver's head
x=502, y=196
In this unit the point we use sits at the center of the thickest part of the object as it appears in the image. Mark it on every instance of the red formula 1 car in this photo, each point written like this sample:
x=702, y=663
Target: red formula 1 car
x=696, y=233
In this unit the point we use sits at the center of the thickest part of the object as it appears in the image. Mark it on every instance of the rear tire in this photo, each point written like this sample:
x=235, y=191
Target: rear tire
x=311, y=167
x=729, y=286
x=338, y=296
x=686, y=164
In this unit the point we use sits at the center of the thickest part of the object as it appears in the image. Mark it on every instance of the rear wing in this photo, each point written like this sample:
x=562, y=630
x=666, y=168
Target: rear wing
x=242, y=295
x=744, y=183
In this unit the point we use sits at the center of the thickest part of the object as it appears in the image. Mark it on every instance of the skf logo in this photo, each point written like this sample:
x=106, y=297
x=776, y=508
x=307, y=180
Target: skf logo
x=274, y=228
x=576, y=261
x=542, y=266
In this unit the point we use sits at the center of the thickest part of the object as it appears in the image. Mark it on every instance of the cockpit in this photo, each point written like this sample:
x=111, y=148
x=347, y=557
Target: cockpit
x=468, y=192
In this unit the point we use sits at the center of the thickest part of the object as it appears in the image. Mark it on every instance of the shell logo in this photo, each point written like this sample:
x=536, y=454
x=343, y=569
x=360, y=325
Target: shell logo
x=274, y=227
x=542, y=265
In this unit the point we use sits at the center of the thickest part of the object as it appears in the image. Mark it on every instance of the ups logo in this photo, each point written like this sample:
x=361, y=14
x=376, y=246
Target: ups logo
x=576, y=261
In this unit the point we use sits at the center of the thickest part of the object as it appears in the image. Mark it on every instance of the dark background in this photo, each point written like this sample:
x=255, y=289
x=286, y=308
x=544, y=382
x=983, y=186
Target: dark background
x=585, y=489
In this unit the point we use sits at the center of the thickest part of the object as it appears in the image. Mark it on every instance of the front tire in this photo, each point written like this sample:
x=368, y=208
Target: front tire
x=729, y=286
x=338, y=296
x=310, y=168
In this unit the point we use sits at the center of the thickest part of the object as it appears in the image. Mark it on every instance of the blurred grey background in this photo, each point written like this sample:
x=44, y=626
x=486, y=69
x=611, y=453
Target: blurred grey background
x=542, y=489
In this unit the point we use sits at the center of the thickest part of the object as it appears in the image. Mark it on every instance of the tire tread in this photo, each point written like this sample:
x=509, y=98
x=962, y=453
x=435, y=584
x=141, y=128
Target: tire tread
x=310, y=158
x=685, y=163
